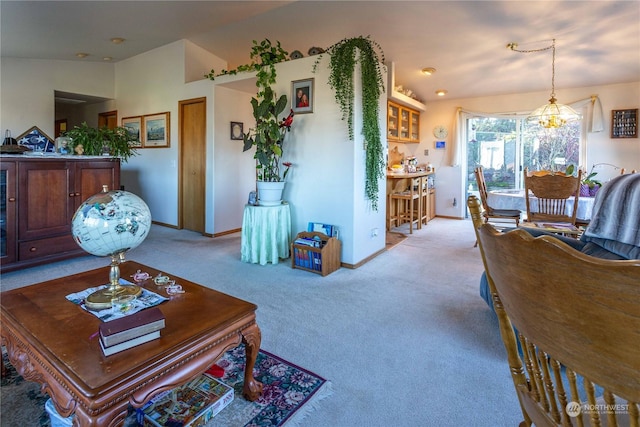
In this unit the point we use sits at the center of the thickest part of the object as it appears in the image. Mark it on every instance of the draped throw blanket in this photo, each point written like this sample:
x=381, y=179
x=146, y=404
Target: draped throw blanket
x=615, y=223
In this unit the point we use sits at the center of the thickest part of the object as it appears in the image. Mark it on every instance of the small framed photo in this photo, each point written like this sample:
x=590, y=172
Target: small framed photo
x=302, y=96
x=156, y=130
x=133, y=126
x=237, y=131
x=440, y=145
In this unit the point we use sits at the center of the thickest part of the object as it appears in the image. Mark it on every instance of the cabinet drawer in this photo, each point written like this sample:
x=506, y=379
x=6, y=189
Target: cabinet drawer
x=43, y=247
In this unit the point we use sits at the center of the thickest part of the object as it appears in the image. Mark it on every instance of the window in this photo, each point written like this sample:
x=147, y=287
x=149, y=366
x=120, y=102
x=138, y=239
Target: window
x=504, y=147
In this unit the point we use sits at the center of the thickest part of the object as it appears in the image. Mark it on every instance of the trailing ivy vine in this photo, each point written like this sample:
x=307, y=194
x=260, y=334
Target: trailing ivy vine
x=344, y=56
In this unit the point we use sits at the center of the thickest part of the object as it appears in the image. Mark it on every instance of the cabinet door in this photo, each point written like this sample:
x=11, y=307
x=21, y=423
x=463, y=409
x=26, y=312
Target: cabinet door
x=46, y=201
x=392, y=122
x=415, y=126
x=404, y=124
x=8, y=227
x=91, y=176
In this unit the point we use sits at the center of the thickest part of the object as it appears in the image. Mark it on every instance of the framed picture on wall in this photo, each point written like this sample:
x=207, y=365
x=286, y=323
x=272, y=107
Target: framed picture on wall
x=133, y=126
x=302, y=96
x=156, y=130
x=237, y=131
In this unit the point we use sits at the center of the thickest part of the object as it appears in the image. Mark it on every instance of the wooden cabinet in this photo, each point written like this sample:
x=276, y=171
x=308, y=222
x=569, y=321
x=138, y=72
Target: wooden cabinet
x=403, y=123
x=8, y=190
x=47, y=194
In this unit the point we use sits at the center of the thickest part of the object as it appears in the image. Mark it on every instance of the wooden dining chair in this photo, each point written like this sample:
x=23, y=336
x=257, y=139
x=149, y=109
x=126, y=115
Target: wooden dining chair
x=551, y=192
x=500, y=218
x=570, y=324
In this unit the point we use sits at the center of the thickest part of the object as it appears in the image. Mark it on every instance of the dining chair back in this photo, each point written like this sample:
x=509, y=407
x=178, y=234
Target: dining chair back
x=568, y=361
x=551, y=192
x=497, y=217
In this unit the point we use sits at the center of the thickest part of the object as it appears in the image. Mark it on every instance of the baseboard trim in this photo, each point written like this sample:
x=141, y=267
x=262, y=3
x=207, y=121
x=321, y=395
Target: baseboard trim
x=224, y=233
x=364, y=261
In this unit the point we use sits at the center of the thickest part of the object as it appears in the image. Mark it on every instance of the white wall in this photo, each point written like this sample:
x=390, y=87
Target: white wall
x=326, y=181
x=27, y=89
x=600, y=147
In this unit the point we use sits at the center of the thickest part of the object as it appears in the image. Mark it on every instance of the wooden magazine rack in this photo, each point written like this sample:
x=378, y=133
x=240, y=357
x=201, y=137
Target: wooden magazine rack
x=321, y=260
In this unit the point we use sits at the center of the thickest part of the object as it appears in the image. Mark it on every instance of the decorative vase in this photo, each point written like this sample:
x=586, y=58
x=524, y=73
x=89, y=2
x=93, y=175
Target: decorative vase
x=270, y=193
x=584, y=190
x=594, y=190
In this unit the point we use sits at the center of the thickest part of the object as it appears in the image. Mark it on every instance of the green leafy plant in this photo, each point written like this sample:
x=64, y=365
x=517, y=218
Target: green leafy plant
x=268, y=134
x=96, y=141
x=586, y=180
x=344, y=56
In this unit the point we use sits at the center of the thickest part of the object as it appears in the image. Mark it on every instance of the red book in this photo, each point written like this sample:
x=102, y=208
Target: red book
x=131, y=326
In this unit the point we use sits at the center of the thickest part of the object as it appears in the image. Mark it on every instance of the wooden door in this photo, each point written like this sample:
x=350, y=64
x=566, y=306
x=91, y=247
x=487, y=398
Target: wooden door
x=192, y=143
x=108, y=119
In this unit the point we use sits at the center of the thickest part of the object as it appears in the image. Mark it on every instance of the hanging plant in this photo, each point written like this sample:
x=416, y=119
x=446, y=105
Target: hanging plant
x=344, y=56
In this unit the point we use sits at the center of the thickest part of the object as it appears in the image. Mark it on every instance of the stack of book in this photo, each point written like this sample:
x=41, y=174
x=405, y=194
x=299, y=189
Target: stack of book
x=129, y=331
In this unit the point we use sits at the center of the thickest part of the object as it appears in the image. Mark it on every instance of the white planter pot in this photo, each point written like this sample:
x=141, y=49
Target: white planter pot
x=270, y=193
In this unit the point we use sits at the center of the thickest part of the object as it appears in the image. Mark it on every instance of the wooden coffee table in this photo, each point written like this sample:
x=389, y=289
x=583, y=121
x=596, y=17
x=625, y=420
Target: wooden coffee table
x=49, y=341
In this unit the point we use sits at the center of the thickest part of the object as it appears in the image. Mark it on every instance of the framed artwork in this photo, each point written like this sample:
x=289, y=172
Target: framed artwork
x=237, y=131
x=624, y=123
x=37, y=141
x=156, y=130
x=441, y=145
x=133, y=126
x=302, y=96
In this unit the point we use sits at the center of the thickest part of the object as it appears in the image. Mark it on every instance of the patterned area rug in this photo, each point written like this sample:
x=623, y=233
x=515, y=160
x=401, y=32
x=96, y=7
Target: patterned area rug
x=289, y=393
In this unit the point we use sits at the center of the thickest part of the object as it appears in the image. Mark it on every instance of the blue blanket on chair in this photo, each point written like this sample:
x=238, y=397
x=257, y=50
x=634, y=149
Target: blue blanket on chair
x=615, y=223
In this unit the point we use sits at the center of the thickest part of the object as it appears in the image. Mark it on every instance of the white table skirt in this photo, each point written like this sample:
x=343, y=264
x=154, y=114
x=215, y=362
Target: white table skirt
x=266, y=234
x=514, y=199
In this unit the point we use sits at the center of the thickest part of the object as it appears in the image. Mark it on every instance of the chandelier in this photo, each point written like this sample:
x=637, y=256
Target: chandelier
x=551, y=115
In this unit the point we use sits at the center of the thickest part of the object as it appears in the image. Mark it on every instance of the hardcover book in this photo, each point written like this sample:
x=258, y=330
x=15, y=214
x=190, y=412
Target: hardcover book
x=108, y=351
x=126, y=328
x=191, y=405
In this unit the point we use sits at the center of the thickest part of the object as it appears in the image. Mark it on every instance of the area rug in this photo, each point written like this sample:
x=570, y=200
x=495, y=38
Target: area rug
x=289, y=393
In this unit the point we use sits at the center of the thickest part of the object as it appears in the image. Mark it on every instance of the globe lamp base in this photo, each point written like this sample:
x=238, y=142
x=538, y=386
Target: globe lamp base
x=102, y=299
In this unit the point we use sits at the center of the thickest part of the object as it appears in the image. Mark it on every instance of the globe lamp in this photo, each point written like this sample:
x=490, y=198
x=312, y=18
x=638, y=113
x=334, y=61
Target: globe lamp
x=111, y=223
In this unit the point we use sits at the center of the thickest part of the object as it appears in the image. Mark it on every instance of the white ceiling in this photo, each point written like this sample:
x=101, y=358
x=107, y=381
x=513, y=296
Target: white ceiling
x=598, y=42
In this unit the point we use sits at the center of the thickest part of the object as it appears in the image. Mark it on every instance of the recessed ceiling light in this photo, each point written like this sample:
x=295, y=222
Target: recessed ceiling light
x=107, y=58
x=117, y=40
x=441, y=92
x=82, y=55
x=428, y=71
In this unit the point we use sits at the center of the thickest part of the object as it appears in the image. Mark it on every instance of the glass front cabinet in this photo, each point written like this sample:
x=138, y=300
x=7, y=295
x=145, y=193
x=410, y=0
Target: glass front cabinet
x=403, y=123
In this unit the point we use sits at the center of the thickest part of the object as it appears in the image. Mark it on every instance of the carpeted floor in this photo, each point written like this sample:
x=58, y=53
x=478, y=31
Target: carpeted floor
x=406, y=338
x=289, y=393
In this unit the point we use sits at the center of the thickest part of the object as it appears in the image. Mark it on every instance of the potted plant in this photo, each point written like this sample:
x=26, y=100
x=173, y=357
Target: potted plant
x=269, y=132
x=99, y=141
x=588, y=186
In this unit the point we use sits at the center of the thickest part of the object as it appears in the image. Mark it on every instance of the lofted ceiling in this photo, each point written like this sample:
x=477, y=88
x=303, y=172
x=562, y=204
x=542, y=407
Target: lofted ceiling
x=597, y=42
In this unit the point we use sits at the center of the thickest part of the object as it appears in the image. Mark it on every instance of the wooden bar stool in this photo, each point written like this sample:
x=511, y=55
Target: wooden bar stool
x=407, y=203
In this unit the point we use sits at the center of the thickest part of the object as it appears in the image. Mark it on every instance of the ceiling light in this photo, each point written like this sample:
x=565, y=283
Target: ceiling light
x=82, y=55
x=117, y=40
x=551, y=115
x=107, y=58
x=428, y=71
x=441, y=92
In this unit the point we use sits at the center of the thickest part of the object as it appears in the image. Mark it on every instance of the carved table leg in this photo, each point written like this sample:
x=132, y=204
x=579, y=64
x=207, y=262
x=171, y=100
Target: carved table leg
x=251, y=337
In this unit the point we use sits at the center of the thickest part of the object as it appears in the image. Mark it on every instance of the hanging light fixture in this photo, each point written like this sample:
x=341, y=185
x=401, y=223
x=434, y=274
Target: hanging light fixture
x=551, y=115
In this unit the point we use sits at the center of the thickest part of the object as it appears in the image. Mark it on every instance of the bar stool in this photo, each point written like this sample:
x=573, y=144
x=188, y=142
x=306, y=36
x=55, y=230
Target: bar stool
x=407, y=204
x=424, y=199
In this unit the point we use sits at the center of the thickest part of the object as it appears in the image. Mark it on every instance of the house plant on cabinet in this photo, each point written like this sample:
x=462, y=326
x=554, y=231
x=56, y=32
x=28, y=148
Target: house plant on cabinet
x=269, y=132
